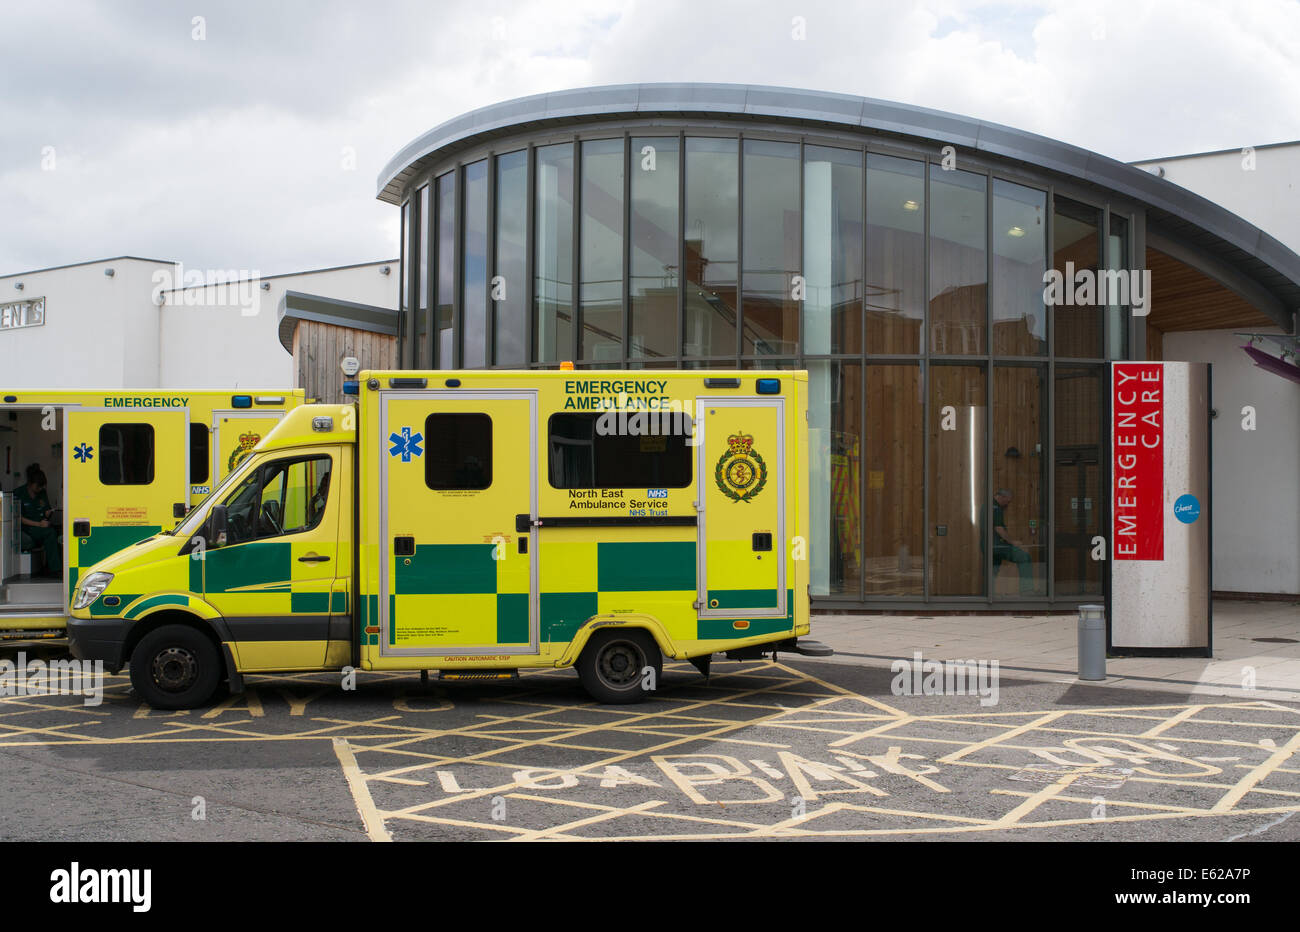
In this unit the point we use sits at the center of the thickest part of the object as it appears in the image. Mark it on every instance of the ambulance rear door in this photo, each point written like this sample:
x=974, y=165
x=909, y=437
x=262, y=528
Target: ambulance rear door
x=127, y=470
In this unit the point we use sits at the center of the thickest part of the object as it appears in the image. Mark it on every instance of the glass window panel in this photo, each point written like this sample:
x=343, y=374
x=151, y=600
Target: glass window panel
x=406, y=254
x=893, y=459
x=895, y=250
x=1019, y=506
x=1076, y=247
x=474, y=271
x=710, y=364
x=771, y=245
x=458, y=453
x=445, y=299
x=958, y=410
x=832, y=250
x=421, y=354
x=1117, y=306
x=601, y=258
x=510, y=290
x=712, y=205
x=405, y=267
x=553, y=254
x=835, y=451
x=1080, y=496
x=200, y=453
x=125, y=454
x=1019, y=261
x=582, y=457
x=654, y=241
x=958, y=265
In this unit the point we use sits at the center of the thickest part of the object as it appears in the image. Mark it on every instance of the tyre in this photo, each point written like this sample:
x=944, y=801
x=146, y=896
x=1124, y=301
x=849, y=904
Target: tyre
x=175, y=667
x=612, y=666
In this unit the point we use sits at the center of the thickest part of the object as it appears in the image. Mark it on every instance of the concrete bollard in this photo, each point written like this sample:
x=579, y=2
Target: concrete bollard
x=1092, y=642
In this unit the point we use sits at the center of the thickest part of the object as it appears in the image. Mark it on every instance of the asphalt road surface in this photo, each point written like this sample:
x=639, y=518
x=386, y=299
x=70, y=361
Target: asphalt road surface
x=786, y=750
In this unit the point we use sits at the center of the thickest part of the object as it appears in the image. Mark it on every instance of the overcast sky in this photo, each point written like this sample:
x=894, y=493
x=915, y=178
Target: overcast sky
x=125, y=128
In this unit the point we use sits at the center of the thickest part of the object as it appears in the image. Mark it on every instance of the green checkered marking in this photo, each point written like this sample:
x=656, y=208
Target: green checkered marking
x=742, y=599
x=512, y=618
x=312, y=603
x=242, y=565
x=657, y=566
x=720, y=629
x=338, y=602
x=106, y=541
x=564, y=612
x=447, y=569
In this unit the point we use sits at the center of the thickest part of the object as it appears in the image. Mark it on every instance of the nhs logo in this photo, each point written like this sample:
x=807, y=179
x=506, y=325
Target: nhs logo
x=656, y=493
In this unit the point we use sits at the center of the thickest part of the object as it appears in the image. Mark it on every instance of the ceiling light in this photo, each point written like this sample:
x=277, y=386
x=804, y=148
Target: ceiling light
x=911, y=205
x=1016, y=232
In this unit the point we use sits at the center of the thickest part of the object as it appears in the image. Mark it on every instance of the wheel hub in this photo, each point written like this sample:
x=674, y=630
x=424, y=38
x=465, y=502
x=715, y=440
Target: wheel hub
x=619, y=664
x=175, y=669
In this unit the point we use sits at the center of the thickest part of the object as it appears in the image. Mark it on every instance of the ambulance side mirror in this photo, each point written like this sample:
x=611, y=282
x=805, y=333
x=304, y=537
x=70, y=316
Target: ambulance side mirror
x=217, y=525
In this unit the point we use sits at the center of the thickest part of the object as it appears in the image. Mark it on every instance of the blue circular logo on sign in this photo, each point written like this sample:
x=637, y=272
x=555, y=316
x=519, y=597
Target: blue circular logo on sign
x=1187, y=509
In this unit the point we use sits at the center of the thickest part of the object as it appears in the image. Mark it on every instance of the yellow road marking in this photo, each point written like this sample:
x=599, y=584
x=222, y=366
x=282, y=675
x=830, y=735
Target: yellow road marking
x=1252, y=779
x=371, y=818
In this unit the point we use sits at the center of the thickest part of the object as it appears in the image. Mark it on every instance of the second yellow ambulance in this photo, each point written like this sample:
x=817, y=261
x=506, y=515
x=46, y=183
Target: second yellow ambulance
x=117, y=466
x=480, y=524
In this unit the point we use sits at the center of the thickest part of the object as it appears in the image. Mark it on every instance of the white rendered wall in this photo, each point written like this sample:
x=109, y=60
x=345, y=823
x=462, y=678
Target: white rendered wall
x=216, y=338
x=99, y=331
x=1256, y=474
x=1265, y=195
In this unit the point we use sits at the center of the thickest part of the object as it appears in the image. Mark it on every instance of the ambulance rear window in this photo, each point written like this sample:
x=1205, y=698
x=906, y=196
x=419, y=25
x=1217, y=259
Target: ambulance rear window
x=458, y=452
x=585, y=456
x=126, y=454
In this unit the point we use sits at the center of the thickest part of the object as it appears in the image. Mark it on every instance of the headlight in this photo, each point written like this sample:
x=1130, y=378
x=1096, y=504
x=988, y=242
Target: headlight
x=91, y=588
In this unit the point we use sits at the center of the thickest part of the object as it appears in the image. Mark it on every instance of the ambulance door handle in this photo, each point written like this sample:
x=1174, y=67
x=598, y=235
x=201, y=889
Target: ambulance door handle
x=313, y=558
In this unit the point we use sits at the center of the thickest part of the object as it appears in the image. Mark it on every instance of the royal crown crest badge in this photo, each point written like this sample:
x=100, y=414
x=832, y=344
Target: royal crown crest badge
x=741, y=472
x=246, y=443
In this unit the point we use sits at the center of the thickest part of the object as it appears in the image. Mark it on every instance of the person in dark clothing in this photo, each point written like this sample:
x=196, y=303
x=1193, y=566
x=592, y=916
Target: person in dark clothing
x=1004, y=548
x=35, y=511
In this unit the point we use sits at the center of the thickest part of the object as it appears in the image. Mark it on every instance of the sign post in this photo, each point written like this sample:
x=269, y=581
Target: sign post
x=1160, y=509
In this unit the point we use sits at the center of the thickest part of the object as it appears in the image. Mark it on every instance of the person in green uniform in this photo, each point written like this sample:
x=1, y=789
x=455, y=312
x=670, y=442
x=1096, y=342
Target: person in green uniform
x=1007, y=548
x=35, y=511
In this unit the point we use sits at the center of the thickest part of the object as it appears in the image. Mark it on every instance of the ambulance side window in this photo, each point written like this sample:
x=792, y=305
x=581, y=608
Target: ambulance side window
x=199, y=454
x=126, y=454
x=458, y=452
x=282, y=497
x=652, y=453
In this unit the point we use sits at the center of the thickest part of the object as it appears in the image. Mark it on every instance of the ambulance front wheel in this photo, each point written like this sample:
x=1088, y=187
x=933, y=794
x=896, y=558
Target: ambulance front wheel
x=175, y=667
x=620, y=666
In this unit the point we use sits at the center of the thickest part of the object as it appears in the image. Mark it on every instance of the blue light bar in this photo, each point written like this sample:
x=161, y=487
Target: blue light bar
x=769, y=386
x=241, y=401
x=351, y=387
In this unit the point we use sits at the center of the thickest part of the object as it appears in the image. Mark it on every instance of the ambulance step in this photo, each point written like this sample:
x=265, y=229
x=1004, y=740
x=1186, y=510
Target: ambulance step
x=32, y=634
x=478, y=675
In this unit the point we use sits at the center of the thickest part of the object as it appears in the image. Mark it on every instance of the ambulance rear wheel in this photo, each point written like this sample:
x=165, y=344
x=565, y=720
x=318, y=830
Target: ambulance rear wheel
x=175, y=667
x=613, y=666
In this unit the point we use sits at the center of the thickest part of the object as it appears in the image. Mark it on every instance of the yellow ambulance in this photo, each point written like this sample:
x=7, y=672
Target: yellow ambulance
x=479, y=524
x=95, y=471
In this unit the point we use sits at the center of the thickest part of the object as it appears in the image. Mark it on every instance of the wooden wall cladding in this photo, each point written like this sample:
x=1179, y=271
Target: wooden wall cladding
x=319, y=348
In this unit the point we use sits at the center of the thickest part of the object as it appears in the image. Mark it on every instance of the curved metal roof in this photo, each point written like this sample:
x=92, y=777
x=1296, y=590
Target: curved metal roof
x=1173, y=210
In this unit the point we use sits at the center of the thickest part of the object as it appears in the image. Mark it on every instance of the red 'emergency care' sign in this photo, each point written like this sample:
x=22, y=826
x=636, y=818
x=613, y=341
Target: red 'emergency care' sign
x=1139, y=461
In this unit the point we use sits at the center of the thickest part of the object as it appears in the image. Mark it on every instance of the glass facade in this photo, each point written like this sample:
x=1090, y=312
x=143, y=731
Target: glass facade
x=956, y=438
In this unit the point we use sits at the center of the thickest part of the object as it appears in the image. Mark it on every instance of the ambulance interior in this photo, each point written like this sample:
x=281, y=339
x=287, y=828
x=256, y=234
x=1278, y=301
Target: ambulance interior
x=30, y=579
